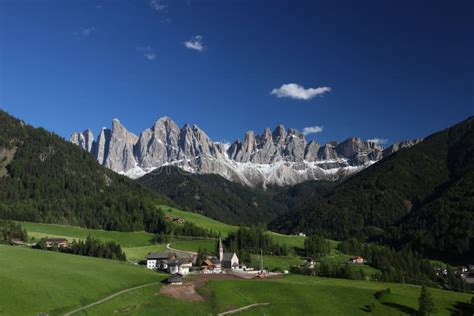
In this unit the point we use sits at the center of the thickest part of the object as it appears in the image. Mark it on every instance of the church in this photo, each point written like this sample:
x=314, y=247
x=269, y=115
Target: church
x=223, y=261
x=228, y=260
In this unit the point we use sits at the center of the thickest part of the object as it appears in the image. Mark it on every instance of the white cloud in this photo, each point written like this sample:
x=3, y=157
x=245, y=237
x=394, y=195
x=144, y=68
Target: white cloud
x=148, y=52
x=195, y=43
x=157, y=5
x=378, y=141
x=84, y=32
x=295, y=91
x=312, y=130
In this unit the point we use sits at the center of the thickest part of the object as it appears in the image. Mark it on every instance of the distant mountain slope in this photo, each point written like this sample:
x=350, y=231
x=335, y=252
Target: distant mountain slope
x=44, y=178
x=421, y=196
x=229, y=202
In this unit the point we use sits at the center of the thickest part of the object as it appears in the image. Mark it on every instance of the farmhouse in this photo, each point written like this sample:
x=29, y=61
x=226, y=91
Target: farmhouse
x=357, y=259
x=56, y=242
x=159, y=260
x=211, y=266
x=179, y=266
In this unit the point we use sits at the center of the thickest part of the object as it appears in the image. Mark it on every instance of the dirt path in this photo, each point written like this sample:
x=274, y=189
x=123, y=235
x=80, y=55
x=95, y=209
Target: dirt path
x=186, y=292
x=110, y=297
x=168, y=246
x=237, y=310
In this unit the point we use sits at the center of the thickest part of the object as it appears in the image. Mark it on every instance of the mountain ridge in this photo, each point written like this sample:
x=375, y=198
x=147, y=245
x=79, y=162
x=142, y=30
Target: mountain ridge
x=279, y=157
x=420, y=197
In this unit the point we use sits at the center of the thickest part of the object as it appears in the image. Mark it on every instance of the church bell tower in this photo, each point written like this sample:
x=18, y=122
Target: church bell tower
x=221, y=250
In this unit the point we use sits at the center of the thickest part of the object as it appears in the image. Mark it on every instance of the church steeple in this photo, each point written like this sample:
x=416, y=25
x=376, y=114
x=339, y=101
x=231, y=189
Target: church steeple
x=221, y=250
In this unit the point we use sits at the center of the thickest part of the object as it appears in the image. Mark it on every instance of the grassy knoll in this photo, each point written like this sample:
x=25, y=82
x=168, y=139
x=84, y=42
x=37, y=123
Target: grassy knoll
x=147, y=301
x=34, y=281
x=291, y=295
x=125, y=239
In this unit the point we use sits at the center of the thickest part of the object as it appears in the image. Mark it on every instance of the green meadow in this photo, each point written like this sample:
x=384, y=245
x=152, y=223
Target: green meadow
x=291, y=295
x=139, y=253
x=194, y=245
x=224, y=229
x=34, y=281
x=125, y=239
x=200, y=220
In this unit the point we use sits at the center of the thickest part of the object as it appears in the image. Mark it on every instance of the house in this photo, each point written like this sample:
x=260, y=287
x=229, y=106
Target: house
x=159, y=260
x=56, y=242
x=302, y=234
x=175, y=280
x=211, y=266
x=179, y=266
x=228, y=260
x=309, y=263
x=357, y=259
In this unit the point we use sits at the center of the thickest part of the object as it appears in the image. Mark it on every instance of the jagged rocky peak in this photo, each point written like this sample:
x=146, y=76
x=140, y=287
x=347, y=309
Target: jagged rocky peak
x=278, y=157
x=311, y=151
x=85, y=140
x=279, y=134
x=399, y=145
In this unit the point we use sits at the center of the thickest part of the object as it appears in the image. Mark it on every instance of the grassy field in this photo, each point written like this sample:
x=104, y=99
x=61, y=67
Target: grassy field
x=299, y=295
x=291, y=295
x=125, y=239
x=139, y=253
x=272, y=262
x=33, y=281
x=36, y=281
x=200, y=220
x=194, y=245
x=224, y=229
x=146, y=302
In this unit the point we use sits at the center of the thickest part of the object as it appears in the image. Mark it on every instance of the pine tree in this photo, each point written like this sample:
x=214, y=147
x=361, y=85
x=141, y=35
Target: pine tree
x=426, y=304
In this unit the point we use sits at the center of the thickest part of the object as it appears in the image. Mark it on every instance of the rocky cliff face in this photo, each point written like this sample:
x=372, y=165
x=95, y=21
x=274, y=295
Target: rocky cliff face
x=281, y=157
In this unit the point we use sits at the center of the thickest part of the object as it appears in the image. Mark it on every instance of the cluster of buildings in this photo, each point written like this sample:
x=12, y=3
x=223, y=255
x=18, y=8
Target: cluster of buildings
x=56, y=242
x=171, y=263
x=168, y=262
x=175, y=219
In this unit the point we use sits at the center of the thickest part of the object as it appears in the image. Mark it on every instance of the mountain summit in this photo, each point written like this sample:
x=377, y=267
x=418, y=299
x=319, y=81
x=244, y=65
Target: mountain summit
x=281, y=157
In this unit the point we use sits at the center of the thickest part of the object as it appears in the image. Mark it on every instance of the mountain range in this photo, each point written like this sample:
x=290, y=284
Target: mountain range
x=420, y=197
x=282, y=157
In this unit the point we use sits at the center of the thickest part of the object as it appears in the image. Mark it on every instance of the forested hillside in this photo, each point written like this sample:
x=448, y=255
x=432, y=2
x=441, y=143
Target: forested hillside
x=227, y=201
x=422, y=197
x=44, y=178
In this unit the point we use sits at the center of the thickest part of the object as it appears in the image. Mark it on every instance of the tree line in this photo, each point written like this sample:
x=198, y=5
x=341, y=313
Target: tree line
x=402, y=266
x=10, y=230
x=90, y=247
x=252, y=240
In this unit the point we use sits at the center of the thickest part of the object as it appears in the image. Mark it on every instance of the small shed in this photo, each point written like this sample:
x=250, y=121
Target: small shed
x=176, y=279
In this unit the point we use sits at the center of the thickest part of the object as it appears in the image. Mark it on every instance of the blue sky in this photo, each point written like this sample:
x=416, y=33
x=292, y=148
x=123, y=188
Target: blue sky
x=374, y=69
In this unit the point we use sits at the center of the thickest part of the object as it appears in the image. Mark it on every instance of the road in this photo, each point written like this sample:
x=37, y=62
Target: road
x=237, y=310
x=168, y=246
x=110, y=297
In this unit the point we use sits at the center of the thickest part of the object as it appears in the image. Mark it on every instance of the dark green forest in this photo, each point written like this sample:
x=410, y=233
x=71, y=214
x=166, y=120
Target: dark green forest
x=226, y=201
x=421, y=197
x=44, y=178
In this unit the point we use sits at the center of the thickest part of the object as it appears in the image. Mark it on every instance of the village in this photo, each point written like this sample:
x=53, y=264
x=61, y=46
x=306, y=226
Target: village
x=179, y=264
